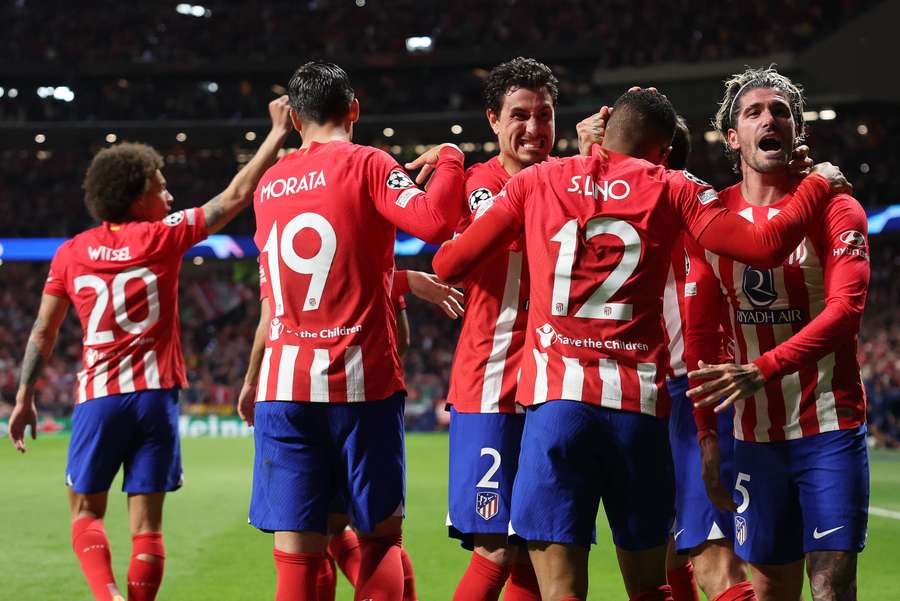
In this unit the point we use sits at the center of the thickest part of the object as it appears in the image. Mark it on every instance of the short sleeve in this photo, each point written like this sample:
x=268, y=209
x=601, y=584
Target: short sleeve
x=55, y=283
x=694, y=201
x=181, y=230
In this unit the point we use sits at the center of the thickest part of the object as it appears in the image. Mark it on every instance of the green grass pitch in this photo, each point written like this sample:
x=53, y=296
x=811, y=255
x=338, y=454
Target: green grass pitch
x=214, y=555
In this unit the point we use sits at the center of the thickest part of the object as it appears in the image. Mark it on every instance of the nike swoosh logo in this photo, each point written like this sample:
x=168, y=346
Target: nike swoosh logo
x=817, y=535
x=677, y=534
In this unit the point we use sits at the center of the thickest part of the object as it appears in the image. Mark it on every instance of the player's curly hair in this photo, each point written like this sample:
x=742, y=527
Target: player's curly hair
x=681, y=145
x=738, y=85
x=118, y=176
x=518, y=73
x=320, y=92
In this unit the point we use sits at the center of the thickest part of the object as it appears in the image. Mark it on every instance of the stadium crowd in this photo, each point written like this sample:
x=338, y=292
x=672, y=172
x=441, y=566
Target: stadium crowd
x=219, y=312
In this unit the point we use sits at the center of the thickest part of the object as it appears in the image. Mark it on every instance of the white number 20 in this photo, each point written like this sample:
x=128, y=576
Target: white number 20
x=317, y=266
x=597, y=306
x=486, y=481
x=96, y=336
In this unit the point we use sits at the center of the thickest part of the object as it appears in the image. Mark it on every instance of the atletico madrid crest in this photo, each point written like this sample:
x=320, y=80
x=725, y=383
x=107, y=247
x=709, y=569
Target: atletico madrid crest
x=740, y=529
x=487, y=504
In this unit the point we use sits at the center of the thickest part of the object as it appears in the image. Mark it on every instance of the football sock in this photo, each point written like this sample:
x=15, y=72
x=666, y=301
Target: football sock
x=742, y=591
x=92, y=549
x=145, y=574
x=326, y=581
x=297, y=575
x=522, y=584
x=684, y=587
x=409, y=579
x=380, y=569
x=662, y=593
x=482, y=581
x=344, y=547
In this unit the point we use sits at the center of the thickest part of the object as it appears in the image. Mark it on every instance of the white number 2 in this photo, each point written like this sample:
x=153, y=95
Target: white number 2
x=96, y=336
x=745, y=494
x=597, y=306
x=317, y=266
x=486, y=481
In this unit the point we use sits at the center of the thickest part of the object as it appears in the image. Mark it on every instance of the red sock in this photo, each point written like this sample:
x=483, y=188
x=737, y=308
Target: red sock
x=297, y=575
x=522, y=584
x=482, y=581
x=92, y=550
x=344, y=547
x=326, y=581
x=684, y=587
x=663, y=593
x=144, y=577
x=742, y=591
x=380, y=569
x=409, y=579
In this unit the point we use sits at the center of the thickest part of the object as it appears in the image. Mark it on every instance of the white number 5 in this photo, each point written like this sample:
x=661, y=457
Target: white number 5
x=745, y=494
x=486, y=481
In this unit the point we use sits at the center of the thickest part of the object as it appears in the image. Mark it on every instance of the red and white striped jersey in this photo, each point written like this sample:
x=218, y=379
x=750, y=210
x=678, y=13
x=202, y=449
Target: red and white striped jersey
x=123, y=281
x=673, y=309
x=797, y=322
x=489, y=350
x=599, y=237
x=326, y=221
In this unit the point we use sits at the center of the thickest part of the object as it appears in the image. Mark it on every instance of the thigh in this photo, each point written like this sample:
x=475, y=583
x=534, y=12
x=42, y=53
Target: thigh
x=292, y=472
x=697, y=520
x=154, y=461
x=639, y=482
x=832, y=474
x=767, y=527
x=370, y=455
x=557, y=489
x=101, y=433
x=484, y=456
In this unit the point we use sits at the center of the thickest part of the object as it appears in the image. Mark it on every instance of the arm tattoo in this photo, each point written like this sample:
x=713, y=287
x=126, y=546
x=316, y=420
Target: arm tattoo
x=32, y=364
x=213, y=212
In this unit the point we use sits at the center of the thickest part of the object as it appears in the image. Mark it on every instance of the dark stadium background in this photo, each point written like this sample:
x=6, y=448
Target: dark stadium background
x=194, y=79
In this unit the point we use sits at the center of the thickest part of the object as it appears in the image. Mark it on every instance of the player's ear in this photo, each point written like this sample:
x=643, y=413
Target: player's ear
x=494, y=120
x=353, y=114
x=295, y=121
x=732, y=138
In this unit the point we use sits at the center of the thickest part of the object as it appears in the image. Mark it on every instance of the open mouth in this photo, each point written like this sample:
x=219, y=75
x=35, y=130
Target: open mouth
x=533, y=145
x=770, y=143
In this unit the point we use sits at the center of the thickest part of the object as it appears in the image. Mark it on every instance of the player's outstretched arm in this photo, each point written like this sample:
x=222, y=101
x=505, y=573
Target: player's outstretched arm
x=246, y=406
x=38, y=349
x=224, y=207
x=770, y=244
x=491, y=233
x=429, y=287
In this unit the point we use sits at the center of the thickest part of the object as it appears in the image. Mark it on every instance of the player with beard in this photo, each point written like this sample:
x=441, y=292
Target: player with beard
x=595, y=358
x=485, y=425
x=802, y=484
x=122, y=278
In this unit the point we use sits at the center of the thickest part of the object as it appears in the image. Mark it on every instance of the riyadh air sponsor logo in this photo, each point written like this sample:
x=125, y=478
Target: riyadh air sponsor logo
x=547, y=336
x=617, y=189
x=292, y=185
x=759, y=286
x=740, y=530
x=478, y=196
x=817, y=535
x=174, y=219
x=487, y=504
x=398, y=180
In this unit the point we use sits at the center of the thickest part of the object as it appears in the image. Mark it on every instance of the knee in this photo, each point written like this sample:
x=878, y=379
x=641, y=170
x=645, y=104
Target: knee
x=832, y=575
x=718, y=569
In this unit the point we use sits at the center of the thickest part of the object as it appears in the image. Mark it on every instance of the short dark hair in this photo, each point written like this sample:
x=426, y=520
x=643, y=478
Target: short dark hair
x=681, y=145
x=320, y=92
x=644, y=118
x=518, y=73
x=118, y=176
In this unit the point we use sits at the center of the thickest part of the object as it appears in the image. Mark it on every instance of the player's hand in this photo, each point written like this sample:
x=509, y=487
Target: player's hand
x=733, y=382
x=427, y=162
x=280, y=113
x=800, y=163
x=836, y=179
x=591, y=130
x=24, y=414
x=246, y=405
x=429, y=287
x=710, y=469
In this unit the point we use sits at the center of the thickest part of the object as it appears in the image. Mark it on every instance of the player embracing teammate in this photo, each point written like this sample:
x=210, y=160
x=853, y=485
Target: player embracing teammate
x=598, y=234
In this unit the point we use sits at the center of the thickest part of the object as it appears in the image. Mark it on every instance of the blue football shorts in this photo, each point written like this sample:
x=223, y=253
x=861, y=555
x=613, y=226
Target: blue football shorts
x=138, y=431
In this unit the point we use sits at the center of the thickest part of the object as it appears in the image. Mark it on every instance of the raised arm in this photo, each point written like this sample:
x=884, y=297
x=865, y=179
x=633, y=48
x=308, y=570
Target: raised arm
x=239, y=193
x=38, y=349
x=247, y=397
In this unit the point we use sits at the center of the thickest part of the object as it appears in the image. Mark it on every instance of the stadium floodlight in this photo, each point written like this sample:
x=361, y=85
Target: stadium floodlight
x=211, y=87
x=827, y=115
x=2, y=91
x=562, y=144
x=12, y=92
x=111, y=137
x=864, y=168
x=181, y=136
x=388, y=132
x=360, y=3
x=250, y=136
x=418, y=44
x=862, y=129
x=40, y=138
x=490, y=146
x=45, y=91
x=456, y=129
x=193, y=10
x=183, y=9
x=711, y=136
x=810, y=115
x=64, y=93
